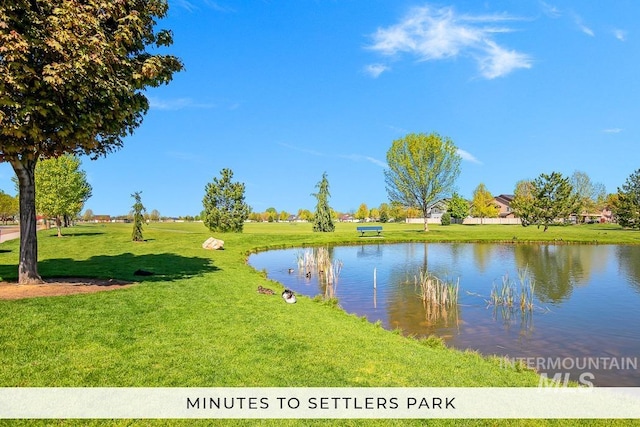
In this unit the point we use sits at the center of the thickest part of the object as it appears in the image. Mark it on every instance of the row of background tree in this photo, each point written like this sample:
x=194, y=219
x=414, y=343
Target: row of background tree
x=63, y=190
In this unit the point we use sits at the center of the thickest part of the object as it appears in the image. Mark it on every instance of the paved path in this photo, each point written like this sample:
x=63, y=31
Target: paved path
x=13, y=232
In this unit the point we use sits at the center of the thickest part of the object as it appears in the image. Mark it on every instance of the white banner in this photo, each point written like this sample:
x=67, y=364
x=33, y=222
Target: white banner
x=107, y=402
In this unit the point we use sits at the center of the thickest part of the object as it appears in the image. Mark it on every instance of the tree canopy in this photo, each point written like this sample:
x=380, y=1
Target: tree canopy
x=62, y=188
x=482, y=205
x=523, y=202
x=72, y=76
x=627, y=205
x=224, y=206
x=554, y=199
x=8, y=207
x=421, y=169
x=591, y=196
x=322, y=220
x=362, y=213
x=458, y=207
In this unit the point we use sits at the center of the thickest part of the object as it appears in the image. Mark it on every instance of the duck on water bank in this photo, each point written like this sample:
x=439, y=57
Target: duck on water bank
x=265, y=291
x=288, y=296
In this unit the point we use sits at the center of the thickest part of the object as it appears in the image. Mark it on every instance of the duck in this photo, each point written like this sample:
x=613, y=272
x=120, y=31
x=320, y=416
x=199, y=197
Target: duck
x=265, y=291
x=289, y=296
x=308, y=275
x=290, y=270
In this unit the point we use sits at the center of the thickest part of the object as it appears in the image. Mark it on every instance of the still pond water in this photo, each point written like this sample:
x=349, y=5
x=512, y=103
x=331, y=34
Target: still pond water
x=585, y=324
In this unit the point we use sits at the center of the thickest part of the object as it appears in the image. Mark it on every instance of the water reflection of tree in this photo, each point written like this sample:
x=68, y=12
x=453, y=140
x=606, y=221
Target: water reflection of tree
x=558, y=268
x=629, y=260
x=551, y=269
x=482, y=254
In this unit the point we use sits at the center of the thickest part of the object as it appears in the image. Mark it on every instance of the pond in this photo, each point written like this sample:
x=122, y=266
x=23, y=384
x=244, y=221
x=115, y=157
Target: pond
x=583, y=324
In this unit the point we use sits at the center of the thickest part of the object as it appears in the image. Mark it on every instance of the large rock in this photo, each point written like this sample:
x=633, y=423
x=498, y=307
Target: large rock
x=213, y=244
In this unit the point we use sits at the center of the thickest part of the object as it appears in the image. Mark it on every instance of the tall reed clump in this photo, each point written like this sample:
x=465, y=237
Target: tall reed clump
x=512, y=296
x=438, y=297
x=436, y=291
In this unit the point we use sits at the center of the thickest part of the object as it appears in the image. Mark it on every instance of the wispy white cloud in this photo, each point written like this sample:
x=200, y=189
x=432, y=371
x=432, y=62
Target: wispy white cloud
x=185, y=4
x=374, y=70
x=397, y=129
x=429, y=34
x=550, y=10
x=190, y=6
x=353, y=157
x=216, y=5
x=176, y=104
x=612, y=130
x=620, y=34
x=468, y=156
x=359, y=158
x=302, y=150
x=583, y=27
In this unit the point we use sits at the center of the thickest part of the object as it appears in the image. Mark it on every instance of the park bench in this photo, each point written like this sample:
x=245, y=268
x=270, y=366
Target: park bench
x=364, y=229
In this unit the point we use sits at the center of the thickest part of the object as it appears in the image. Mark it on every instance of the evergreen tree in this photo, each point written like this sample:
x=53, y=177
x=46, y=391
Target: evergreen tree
x=627, y=205
x=384, y=212
x=224, y=207
x=322, y=220
x=554, y=199
x=138, y=217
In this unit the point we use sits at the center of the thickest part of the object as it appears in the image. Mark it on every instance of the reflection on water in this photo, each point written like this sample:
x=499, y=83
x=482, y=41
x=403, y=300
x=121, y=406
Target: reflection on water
x=585, y=298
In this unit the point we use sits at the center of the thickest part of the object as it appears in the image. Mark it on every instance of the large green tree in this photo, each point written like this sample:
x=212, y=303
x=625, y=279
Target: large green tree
x=421, y=169
x=554, y=199
x=627, y=204
x=62, y=188
x=72, y=80
x=458, y=207
x=322, y=220
x=224, y=207
x=483, y=205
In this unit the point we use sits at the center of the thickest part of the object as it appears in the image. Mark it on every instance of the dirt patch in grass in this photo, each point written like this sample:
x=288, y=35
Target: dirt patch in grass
x=60, y=286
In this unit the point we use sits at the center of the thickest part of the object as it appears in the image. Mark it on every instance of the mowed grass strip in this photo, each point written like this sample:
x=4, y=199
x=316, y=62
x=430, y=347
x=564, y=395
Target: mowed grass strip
x=199, y=322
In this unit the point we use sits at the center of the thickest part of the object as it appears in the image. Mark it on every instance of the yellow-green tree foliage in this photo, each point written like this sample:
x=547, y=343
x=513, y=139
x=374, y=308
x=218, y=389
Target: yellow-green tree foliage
x=482, y=205
x=62, y=188
x=422, y=169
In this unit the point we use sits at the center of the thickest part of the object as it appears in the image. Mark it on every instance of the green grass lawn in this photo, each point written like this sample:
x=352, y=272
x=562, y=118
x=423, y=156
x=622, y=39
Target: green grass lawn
x=199, y=322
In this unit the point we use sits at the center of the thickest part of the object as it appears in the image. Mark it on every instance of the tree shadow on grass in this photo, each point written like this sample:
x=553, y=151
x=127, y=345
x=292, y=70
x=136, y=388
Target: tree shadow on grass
x=71, y=235
x=164, y=267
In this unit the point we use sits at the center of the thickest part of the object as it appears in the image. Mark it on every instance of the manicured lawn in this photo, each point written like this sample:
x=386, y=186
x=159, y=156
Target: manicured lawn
x=199, y=322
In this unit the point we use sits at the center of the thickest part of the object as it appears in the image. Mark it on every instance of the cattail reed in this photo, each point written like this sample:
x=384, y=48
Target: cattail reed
x=512, y=296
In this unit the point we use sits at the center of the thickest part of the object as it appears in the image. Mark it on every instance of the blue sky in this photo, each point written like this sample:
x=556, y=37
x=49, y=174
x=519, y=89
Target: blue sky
x=282, y=91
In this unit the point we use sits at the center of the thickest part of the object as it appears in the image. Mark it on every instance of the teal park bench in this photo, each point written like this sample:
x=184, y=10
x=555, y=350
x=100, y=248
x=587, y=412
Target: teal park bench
x=364, y=229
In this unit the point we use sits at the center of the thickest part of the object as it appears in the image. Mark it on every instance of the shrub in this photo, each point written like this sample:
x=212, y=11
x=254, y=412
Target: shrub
x=446, y=219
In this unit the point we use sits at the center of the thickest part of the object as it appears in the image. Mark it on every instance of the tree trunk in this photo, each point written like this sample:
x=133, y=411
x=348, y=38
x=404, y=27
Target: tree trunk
x=28, y=265
x=424, y=215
